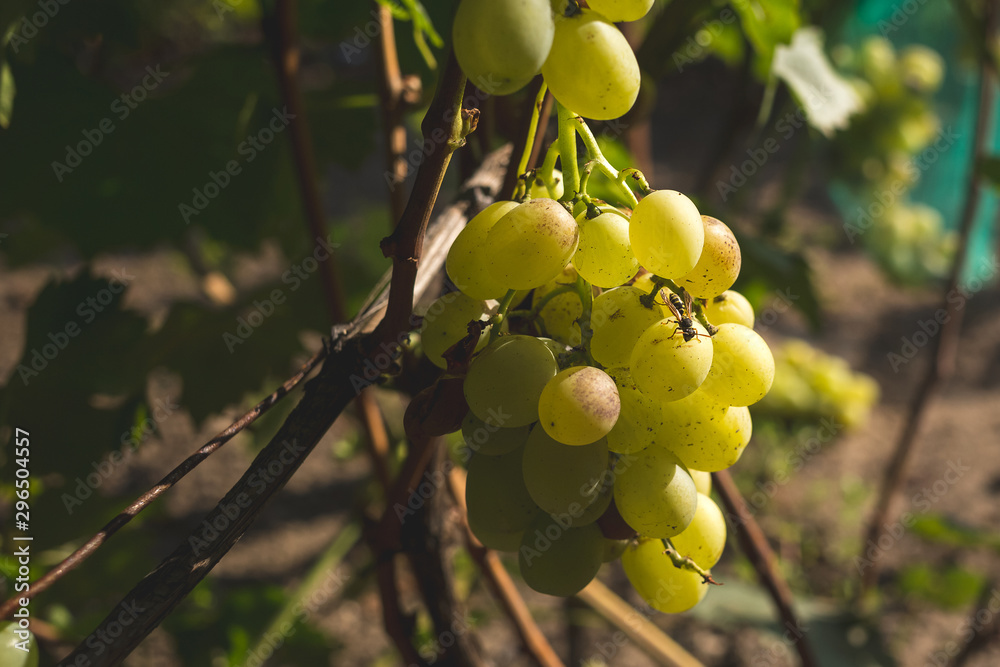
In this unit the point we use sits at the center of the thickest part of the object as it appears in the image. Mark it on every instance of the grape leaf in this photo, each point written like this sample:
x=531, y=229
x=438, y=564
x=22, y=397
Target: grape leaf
x=828, y=100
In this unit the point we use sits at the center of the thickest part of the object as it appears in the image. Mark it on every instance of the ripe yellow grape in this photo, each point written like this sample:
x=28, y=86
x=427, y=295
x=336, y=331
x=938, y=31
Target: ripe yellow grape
x=666, y=367
x=618, y=319
x=468, y=254
x=705, y=537
x=742, y=366
x=531, y=244
x=604, y=257
x=664, y=587
x=654, y=493
x=702, y=481
x=502, y=44
x=719, y=263
x=730, y=306
x=560, y=314
x=621, y=10
x=579, y=405
x=667, y=233
x=591, y=69
x=708, y=436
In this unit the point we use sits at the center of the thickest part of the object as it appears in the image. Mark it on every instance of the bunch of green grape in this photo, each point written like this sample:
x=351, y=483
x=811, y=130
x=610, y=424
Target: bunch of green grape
x=885, y=150
x=503, y=44
x=621, y=380
x=811, y=383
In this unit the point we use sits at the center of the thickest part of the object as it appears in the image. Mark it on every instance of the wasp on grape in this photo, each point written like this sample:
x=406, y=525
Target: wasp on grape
x=680, y=310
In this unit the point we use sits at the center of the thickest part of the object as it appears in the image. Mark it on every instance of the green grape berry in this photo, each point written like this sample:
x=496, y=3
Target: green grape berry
x=666, y=367
x=558, y=559
x=667, y=233
x=730, y=306
x=561, y=313
x=742, y=366
x=621, y=10
x=531, y=244
x=579, y=405
x=469, y=254
x=591, y=69
x=604, y=256
x=663, y=586
x=561, y=479
x=498, y=502
x=705, y=537
x=702, y=481
x=719, y=263
x=618, y=319
x=506, y=380
x=502, y=44
x=482, y=437
x=654, y=493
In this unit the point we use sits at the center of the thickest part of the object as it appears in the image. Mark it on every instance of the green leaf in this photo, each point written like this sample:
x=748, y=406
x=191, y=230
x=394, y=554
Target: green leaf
x=945, y=530
x=767, y=23
x=770, y=269
x=950, y=587
x=827, y=98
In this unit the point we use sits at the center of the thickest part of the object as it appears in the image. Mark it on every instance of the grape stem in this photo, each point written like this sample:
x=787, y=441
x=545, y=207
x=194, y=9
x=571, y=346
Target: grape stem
x=586, y=294
x=547, y=171
x=497, y=320
x=534, y=311
x=529, y=143
x=604, y=166
x=685, y=563
x=567, y=152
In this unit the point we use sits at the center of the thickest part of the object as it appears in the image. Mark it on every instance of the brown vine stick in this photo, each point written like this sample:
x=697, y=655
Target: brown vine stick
x=396, y=92
x=150, y=601
x=501, y=584
x=759, y=553
x=637, y=626
x=945, y=347
x=174, y=476
x=285, y=52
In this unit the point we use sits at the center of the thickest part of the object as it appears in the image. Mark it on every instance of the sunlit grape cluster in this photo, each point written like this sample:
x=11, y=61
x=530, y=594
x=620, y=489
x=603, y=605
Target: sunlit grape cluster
x=503, y=44
x=621, y=381
x=810, y=383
